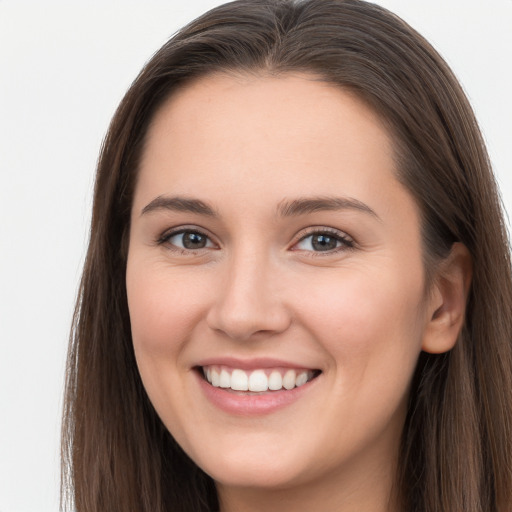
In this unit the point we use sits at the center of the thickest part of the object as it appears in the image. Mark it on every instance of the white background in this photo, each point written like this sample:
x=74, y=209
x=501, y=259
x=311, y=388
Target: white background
x=64, y=66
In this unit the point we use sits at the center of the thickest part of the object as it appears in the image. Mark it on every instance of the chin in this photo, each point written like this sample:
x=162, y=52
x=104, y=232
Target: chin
x=271, y=467
x=258, y=475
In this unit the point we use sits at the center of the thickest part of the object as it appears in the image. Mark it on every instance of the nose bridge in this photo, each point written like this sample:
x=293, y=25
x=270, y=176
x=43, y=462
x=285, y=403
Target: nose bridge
x=247, y=302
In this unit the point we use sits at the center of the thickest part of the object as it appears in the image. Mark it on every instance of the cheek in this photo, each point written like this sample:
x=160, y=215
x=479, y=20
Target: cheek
x=370, y=326
x=163, y=307
x=372, y=333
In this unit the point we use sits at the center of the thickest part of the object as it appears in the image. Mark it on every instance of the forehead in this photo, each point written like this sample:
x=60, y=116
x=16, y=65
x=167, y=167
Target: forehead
x=284, y=108
x=265, y=137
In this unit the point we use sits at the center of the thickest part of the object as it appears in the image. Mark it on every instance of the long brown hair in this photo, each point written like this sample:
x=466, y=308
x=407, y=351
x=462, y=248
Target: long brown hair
x=456, y=445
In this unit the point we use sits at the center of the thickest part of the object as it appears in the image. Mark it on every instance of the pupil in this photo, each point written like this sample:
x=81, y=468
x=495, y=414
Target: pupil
x=324, y=242
x=194, y=241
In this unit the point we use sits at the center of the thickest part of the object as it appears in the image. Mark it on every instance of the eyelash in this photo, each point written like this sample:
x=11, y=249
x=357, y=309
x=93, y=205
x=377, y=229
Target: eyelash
x=346, y=243
x=164, y=239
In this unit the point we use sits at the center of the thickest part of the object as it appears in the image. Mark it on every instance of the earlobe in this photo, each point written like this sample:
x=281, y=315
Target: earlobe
x=447, y=303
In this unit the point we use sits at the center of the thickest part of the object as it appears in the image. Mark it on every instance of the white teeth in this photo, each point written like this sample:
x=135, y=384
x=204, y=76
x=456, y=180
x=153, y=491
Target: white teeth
x=239, y=381
x=275, y=381
x=289, y=379
x=301, y=379
x=225, y=379
x=256, y=381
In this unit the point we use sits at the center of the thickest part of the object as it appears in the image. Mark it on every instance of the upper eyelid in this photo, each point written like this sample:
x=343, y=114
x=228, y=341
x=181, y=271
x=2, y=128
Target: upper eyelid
x=304, y=233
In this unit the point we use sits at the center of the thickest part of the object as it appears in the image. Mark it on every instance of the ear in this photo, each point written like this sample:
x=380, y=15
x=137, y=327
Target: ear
x=447, y=301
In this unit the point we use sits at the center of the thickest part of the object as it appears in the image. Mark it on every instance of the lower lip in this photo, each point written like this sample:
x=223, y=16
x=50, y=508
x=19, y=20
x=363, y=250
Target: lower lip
x=250, y=404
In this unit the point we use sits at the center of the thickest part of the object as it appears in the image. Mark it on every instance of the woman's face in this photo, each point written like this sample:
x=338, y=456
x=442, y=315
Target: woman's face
x=271, y=246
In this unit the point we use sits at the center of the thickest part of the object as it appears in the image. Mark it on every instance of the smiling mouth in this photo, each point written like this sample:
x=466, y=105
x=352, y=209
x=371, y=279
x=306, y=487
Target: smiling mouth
x=258, y=380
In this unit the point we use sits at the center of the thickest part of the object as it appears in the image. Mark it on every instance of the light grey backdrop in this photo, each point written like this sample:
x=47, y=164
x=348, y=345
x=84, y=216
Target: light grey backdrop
x=64, y=66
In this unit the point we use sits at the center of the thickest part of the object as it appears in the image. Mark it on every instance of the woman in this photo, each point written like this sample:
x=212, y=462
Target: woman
x=297, y=289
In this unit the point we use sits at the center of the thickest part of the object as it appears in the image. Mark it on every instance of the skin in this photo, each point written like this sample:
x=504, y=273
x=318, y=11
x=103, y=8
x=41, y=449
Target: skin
x=247, y=145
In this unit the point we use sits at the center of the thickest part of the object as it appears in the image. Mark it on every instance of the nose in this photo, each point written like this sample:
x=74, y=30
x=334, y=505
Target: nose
x=249, y=300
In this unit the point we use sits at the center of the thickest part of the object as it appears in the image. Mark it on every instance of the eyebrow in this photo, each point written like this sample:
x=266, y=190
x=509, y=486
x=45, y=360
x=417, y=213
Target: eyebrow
x=179, y=204
x=285, y=208
x=306, y=205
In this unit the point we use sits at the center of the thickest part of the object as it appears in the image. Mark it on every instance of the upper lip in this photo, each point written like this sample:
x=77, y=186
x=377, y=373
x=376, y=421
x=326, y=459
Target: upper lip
x=253, y=363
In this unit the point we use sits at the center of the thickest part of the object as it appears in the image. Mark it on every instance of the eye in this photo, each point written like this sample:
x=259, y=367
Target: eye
x=324, y=241
x=188, y=240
